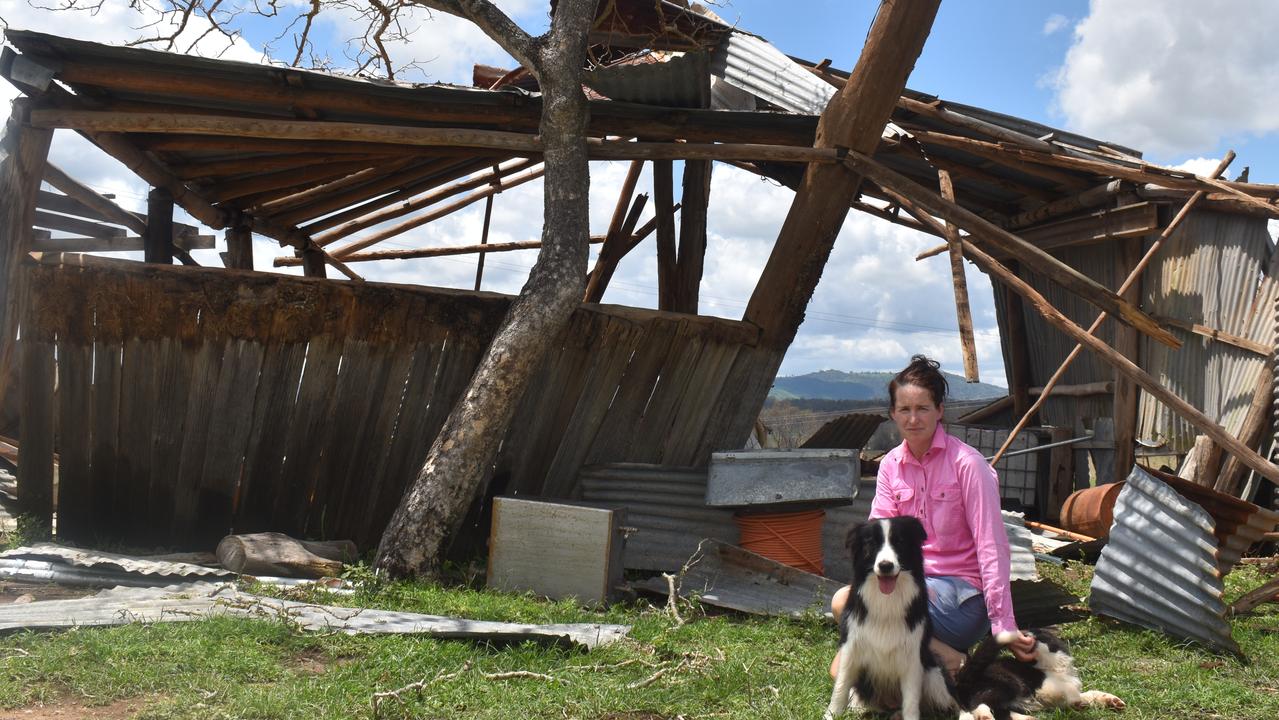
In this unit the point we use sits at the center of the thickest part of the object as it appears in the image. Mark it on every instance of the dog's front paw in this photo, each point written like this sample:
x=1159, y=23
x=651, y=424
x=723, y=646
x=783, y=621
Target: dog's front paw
x=1097, y=698
x=981, y=712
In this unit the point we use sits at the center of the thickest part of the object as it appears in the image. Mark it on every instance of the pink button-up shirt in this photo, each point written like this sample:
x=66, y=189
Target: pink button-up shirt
x=955, y=493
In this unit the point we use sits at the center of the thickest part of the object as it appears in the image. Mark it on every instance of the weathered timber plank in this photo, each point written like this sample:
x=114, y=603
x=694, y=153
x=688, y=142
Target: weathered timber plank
x=273, y=407
x=206, y=364
x=617, y=429
x=174, y=365
x=233, y=404
x=733, y=417
x=36, y=428
x=615, y=344
x=714, y=365
x=139, y=388
x=75, y=374
x=302, y=453
x=664, y=405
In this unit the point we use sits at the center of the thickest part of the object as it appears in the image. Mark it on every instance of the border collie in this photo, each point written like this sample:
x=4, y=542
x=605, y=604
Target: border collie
x=994, y=685
x=885, y=662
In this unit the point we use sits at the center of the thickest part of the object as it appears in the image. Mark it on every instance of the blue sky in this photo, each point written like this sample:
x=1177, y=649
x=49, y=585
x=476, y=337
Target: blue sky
x=1181, y=80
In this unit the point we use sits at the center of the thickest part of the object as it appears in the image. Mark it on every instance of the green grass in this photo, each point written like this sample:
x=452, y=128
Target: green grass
x=713, y=666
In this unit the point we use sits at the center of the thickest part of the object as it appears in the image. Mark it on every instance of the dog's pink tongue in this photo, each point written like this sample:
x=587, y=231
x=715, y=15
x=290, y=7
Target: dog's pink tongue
x=886, y=584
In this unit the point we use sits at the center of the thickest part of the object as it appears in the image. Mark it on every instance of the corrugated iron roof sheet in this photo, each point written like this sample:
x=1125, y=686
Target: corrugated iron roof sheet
x=846, y=431
x=752, y=64
x=1160, y=566
x=195, y=601
x=1239, y=524
x=112, y=562
x=665, y=505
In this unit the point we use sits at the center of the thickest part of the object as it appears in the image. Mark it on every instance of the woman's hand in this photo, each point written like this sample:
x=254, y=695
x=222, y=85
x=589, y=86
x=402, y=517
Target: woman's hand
x=1023, y=647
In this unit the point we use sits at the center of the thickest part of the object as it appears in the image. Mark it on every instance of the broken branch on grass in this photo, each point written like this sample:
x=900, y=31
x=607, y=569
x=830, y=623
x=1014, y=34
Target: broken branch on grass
x=417, y=687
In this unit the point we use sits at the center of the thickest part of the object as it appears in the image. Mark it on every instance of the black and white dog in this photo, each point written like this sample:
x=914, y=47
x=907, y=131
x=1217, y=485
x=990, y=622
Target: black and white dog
x=884, y=659
x=997, y=686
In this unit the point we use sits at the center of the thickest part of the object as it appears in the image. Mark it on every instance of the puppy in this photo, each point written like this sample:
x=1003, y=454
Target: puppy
x=884, y=660
x=993, y=685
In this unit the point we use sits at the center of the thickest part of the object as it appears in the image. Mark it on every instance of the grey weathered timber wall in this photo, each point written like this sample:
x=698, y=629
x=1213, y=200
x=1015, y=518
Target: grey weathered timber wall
x=192, y=402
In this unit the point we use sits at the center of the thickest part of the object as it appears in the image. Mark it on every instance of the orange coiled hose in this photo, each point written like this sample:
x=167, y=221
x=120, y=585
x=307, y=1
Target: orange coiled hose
x=793, y=538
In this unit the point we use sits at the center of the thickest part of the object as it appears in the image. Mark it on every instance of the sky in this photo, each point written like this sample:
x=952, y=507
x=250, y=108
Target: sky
x=1181, y=80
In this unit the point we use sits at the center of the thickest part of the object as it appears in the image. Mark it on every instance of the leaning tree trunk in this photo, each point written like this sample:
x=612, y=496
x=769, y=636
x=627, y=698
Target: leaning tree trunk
x=465, y=448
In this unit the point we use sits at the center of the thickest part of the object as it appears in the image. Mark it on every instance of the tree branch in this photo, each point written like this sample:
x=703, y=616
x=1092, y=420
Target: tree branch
x=496, y=24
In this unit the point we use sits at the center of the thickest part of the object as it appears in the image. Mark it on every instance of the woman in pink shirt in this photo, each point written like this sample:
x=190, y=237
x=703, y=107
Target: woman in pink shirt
x=951, y=488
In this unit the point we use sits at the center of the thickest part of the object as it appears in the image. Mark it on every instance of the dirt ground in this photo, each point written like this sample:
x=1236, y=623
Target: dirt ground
x=68, y=709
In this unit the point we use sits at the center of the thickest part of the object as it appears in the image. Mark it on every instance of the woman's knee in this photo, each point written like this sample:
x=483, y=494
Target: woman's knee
x=839, y=600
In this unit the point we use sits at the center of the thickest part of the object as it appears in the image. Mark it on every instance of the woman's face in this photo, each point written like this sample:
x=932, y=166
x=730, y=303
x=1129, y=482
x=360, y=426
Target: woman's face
x=916, y=415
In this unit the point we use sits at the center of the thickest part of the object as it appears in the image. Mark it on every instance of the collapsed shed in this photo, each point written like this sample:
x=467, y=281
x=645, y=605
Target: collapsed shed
x=192, y=401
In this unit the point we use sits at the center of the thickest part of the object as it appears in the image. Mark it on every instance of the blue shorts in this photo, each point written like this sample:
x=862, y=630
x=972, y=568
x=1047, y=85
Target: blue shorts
x=958, y=612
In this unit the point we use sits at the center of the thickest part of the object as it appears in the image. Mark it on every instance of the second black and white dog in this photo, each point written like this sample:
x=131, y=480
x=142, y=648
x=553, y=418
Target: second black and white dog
x=996, y=686
x=884, y=659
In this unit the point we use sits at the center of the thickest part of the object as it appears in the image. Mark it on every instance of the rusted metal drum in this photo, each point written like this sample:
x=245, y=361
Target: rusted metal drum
x=1091, y=511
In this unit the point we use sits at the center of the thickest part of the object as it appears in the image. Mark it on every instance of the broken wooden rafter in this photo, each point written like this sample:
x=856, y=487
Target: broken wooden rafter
x=128, y=243
x=609, y=254
x=400, y=228
x=414, y=253
x=1222, y=337
x=66, y=223
x=254, y=164
x=1130, y=221
x=107, y=210
x=903, y=188
x=963, y=312
x=360, y=200
x=303, y=199
x=491, y=178
x=236, y=188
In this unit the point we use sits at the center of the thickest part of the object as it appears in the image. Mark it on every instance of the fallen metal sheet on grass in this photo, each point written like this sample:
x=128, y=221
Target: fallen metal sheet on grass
x=1239, y=523
x=727, y=576
x=1160, y=567
x=113, y=563
x=196, y=601
x=1020, y=546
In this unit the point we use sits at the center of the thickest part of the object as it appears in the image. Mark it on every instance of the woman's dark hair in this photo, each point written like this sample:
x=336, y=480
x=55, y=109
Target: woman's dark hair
x=923, y=372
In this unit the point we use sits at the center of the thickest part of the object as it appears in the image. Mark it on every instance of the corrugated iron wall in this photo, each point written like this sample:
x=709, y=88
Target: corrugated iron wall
x=193, y=402
x=1209, y=273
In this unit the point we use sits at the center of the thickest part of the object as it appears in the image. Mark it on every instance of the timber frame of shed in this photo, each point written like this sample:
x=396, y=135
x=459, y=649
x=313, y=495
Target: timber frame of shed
x=191, y=401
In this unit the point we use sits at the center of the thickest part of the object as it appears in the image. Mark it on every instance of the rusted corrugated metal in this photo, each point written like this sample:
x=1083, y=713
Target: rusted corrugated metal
x=849, y=431
x=1207, y=273
x=1160, y=566
x=671, y=81
x=666, y=507
x=1240, y=524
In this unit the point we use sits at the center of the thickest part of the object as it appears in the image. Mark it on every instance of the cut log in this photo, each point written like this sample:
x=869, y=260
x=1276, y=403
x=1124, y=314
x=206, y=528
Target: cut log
x=277, y=554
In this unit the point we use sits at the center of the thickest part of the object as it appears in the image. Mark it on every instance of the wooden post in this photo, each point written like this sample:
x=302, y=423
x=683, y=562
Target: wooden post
x=663, y=199
x=484, y=240
x=963, y=312
x=1127, y=343
x=239, y=247
x=1061, y=474
x=692, y=235
x=312, y=262
x=1018, y=367
x=36, y=424
x=595, y=281
x=26, y=150
x=158, y=240
x=615, y=247
x=853, y=119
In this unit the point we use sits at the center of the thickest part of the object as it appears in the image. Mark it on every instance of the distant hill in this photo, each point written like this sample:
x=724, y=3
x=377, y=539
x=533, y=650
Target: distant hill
x=838, y=385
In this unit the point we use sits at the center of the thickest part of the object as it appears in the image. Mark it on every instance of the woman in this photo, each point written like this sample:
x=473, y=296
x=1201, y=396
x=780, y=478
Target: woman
x=951, y=488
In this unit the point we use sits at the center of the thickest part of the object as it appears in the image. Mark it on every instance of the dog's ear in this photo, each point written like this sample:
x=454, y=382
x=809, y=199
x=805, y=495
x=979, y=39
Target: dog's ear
x=854, y=538
x=913, y=529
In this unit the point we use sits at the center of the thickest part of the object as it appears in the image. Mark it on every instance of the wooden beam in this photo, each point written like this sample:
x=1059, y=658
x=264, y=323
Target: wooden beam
x=312, y=261
x=107, y=209
x=399, y=228
x=663, y=199
x=52, y=221
x=1090, y=198
x=130, y=243
x=400, y=209
x=1018, y=344
x=22, y=164
x=1130, y=221
x=1252, y=432
x=615, y=247
x=595, y=280
x=239, y=247
x=256, y=164
x=94, y=121
x=158, y=240
x=1225, y=338
x=1031, y=256
x=375, y=195
x=242, y=187
x=963, y=312
x=691, y=257
x=415, y=253
x=854, y=119
x=1127, y=343
x=1101, y=387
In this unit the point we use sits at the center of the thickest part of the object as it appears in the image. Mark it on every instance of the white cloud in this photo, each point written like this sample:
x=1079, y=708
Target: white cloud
x=1055, y=23
x=1172, y=77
